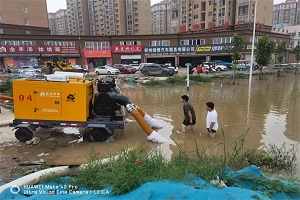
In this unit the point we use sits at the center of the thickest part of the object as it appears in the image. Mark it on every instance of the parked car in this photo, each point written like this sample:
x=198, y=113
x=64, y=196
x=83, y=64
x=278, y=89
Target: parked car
x=144, y=64
x=220, y=62
x=220, y=67
x=35, y=69
x=106, y=70
x=157, y=70
x=126, y=69
x=134, y=65
x=242, y=67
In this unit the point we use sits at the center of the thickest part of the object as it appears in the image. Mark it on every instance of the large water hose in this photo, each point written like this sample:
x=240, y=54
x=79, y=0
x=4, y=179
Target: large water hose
x=5, y=122
x=6, y=97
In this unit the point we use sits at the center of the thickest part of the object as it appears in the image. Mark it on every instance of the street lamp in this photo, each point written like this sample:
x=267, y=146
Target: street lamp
x=251, y=63
x=252, y=50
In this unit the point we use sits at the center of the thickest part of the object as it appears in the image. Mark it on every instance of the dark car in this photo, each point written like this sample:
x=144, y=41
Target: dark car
x=157, y=70
x=126, y=69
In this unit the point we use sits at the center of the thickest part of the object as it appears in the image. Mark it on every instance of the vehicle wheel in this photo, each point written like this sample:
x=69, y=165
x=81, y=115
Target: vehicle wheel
x=164, y=73
x=218, y=69
x=23, y=134
x=98, y=135
x=56, y=69
x=97, y=73
x=109, y=73
x=146, y=73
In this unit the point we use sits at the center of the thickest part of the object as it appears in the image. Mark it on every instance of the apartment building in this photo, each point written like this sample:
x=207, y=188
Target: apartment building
x=58, y=22
x=196, y=15
x=286, y=13
x=119, y=17
x=24, y=13
x=78, y=17
x=161, y=17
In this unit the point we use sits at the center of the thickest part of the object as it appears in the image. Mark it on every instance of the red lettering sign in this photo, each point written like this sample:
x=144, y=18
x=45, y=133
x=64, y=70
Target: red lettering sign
x=225, y=25
x=211, y=26
x=182, y=28
x=196, y=27
x=127, y=49
x=4, y=49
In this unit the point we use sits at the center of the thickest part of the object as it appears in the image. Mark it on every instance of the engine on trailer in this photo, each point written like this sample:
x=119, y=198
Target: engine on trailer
x=107, y=100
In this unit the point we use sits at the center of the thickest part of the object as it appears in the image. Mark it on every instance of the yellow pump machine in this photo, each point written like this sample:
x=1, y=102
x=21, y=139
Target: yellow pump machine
x=69, y=101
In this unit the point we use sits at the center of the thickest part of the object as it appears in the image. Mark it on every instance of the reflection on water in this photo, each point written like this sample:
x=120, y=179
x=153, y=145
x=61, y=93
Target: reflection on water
x=273, y=114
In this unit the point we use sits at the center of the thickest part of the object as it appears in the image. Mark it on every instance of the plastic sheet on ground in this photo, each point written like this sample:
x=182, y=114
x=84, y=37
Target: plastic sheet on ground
x=152, y=190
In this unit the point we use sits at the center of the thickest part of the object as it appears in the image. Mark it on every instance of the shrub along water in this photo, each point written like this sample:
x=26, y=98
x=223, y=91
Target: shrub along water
x=180, y=80
x=135, y=168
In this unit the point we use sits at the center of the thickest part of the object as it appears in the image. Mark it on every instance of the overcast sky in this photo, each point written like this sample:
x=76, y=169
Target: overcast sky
x=54, y=5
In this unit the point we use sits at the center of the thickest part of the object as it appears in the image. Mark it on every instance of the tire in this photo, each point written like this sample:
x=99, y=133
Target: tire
x=98, y=135
x=56, y=69
x=165, y=73
x=218, y=69
x=23, y=134
x=109, y=73
x=146, y=73
x=97, y=73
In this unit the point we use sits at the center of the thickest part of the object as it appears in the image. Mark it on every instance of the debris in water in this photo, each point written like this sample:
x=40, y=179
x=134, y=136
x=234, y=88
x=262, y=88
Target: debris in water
x=43, y=154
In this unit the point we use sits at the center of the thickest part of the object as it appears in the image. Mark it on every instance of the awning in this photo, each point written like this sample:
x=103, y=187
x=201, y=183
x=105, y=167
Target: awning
x=124, y=57
x=63, y=55
x=19, y=55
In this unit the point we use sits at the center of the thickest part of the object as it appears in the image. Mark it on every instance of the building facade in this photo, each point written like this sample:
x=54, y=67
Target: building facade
x=286, y=13
x=78, y=17
x=161, y=17
x=58, y=22
x=19, y=50
x=119, y=17
x=197, y=15
x=23, y=13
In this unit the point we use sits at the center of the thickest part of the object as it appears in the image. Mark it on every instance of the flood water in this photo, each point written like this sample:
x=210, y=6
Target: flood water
x=272, y=114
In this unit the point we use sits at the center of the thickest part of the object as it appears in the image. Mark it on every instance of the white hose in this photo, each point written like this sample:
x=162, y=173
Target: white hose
x=6, y=122
x=35, y=178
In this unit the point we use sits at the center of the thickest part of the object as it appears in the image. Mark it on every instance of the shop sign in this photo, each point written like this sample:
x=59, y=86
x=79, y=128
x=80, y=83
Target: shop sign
x=38, y=49
x=97, y=53
x=123, y=49
x=169, y=50
x=218, y=48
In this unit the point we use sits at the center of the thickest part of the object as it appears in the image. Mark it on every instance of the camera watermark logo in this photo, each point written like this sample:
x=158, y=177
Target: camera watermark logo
x=15, y=189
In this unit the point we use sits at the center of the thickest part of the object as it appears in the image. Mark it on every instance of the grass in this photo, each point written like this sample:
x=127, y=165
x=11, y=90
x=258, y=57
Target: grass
x=181, y=80
x=6, y=88
x=136, y=167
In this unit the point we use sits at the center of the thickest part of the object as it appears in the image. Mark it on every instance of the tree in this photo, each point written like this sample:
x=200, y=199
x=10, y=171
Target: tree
x=297, y=56
x=263, y=53
x=281, y=54
x=234, y=49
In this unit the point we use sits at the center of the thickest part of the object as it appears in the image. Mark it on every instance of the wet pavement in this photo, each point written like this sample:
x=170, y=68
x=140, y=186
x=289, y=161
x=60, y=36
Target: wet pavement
x=272, y=113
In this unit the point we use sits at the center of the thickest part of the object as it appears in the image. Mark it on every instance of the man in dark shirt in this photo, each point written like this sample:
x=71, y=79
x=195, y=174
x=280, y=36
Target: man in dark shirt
x=189, y=113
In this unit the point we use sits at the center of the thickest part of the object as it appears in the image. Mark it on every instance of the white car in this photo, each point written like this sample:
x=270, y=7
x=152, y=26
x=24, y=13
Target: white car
x=106, y=70
x=221, y=68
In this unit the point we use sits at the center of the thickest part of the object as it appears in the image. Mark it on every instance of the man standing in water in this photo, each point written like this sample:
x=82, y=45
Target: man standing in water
x=211, y=119
x=189, y=113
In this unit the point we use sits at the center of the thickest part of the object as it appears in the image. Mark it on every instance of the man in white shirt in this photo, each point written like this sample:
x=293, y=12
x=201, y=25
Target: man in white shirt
x=211, y=119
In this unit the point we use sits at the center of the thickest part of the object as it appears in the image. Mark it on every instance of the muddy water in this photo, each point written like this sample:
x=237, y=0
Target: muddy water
x=272, y=114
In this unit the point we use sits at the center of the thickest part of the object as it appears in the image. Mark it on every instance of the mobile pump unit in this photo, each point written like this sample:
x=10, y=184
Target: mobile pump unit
x=68, y=100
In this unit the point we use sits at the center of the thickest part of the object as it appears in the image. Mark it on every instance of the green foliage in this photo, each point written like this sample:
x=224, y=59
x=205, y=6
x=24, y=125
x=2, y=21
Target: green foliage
x=297, y=53
x=180, y=80
x=137, y=167
x=263, y=51
x=6, y=88
x=235, y=48
x=281, y=51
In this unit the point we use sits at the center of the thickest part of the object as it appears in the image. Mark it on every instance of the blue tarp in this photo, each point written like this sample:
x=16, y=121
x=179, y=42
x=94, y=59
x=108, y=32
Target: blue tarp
x=152, y=190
